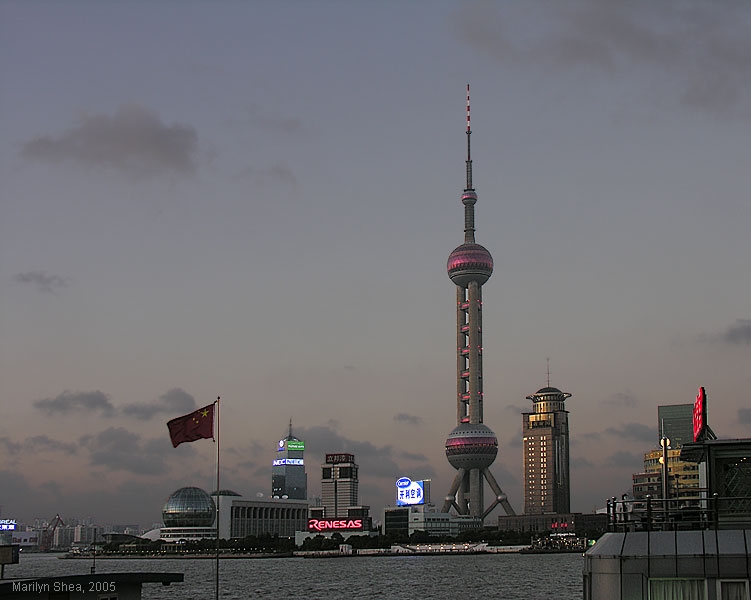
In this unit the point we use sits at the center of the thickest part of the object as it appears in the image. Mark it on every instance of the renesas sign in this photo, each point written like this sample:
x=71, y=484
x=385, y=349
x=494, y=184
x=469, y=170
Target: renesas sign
x=409, y=492
x=321, y=525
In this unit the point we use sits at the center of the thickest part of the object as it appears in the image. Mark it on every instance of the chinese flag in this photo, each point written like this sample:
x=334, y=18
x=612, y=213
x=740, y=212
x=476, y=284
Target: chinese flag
x=197, y=425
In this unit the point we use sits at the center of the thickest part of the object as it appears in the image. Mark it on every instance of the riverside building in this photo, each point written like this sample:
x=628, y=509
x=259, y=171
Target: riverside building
x=288, y=477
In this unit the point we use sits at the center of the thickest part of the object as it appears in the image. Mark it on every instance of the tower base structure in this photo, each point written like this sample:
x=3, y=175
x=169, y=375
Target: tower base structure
x=467, y=483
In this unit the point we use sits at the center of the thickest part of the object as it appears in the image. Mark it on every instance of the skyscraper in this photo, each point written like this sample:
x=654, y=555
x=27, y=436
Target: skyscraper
x=288, y=477
x=676, y=422
x=339, y=484
x=471, y=446
x=545, y=434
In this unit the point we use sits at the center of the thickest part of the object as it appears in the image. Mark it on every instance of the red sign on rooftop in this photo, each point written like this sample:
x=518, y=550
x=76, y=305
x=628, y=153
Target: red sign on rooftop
x=700, y=413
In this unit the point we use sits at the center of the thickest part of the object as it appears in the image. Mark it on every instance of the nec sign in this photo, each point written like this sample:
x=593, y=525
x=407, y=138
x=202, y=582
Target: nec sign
x=334, y=524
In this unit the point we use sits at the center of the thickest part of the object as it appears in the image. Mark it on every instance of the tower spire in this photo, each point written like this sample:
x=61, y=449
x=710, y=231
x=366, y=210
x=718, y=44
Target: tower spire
x=290, y=427
x=469, y=152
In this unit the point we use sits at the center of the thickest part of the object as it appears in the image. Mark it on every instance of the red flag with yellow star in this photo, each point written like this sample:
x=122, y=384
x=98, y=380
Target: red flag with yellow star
x=197, y=425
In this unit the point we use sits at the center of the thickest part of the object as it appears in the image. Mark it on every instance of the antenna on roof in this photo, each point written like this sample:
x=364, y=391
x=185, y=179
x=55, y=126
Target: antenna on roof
x=548, y=361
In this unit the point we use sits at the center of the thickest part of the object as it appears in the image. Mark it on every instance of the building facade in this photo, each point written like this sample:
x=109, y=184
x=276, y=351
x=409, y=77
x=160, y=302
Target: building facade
x=288, y=477
x=545, y=436
x=339, y=485
x=675, y=421
x=471, y=447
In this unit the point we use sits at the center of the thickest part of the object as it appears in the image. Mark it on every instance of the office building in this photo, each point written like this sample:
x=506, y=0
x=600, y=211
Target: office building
x=675, y=421
x=545, y=436
x=288, y=477
x=339, y=485
x=471, y=447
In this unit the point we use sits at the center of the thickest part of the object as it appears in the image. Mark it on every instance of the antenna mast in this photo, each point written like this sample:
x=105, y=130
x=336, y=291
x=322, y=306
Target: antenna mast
x=469, y=153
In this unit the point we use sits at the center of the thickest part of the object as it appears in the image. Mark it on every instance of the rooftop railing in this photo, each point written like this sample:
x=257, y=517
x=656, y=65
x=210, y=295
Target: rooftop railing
x=685, y=513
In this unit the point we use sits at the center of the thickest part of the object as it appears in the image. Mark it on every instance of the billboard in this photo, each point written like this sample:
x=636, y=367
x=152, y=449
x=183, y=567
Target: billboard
x=700, y=413
x=287, y=461
x=409, y=492
x=7, y=524
x=335, y=459
x=322, y=525
x=294, y=445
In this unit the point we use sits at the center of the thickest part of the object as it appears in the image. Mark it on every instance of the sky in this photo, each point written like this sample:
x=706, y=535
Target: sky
x=256, y=200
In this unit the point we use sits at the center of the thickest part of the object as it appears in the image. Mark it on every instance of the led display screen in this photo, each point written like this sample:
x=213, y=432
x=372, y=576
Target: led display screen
x=335, y=459
x=297, y=445
x=7, y=525
x=409, y=492
x=287, y=461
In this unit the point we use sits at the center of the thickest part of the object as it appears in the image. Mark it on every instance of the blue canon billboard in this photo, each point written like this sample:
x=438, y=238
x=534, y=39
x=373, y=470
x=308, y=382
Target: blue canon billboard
x=409, y=492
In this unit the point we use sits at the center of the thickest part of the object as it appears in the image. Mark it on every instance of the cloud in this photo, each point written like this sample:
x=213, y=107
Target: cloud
x=43, y=281
x=174, y=403
x=626, y=398
x=413, y=456
x=744, y=415
x=275, y=175
x=76, y=402
x=133, y=141
x=517, y=409
x=737, y=334
x=408, y=419
x=625, y=459
x=634, y=431
x=698, y=52
x=42, y=443
x=117, y=449
x=581, y=463
x=275, y=123
x=10, y=448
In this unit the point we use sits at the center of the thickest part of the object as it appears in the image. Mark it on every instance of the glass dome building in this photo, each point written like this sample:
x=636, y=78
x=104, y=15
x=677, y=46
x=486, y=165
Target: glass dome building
x=189, y=507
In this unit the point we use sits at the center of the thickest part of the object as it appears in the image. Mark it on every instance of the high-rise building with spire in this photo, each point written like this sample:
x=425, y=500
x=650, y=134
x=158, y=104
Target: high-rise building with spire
x=471, y=446
x=288, y=477
x=545, y=438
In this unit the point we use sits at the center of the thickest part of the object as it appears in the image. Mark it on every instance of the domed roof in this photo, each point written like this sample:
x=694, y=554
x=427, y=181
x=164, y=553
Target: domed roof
x=549, y=390
x=225, y=493
x=189, y=507
x=470, y=262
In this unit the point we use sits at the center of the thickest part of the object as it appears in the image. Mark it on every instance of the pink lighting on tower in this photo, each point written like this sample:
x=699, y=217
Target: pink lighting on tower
x=471, y=447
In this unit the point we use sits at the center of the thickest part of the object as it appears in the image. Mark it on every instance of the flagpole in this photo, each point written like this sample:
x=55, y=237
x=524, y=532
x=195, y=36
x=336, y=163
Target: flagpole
x=216, y=587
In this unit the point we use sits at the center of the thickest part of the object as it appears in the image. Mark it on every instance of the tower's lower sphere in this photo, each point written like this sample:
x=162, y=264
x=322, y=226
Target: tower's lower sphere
x=471, y=446
x=189, y=507
x=470, y=262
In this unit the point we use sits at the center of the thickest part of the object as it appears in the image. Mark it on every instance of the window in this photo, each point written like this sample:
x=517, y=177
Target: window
x=677, y=589
x=732, y=589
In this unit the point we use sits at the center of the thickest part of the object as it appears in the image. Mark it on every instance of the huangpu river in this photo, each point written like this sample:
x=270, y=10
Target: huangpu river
x=507, y=576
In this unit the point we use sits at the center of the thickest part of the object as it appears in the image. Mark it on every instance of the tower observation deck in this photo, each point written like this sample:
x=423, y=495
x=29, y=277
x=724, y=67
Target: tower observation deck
x=471, y=447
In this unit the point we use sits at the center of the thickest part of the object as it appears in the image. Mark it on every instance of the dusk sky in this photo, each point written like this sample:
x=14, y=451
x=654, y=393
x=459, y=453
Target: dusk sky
x=256, y=200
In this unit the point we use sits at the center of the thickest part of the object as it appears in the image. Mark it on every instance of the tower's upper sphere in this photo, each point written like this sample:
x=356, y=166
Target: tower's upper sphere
x=471, y=446
x=189, y=507
x=470, y=262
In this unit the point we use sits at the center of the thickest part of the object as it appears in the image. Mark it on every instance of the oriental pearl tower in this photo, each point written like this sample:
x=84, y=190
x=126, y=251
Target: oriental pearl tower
x=471, y=447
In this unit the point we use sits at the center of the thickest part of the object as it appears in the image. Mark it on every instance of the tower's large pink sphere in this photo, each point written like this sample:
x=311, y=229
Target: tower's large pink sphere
x=471, y=446
x=470, y=262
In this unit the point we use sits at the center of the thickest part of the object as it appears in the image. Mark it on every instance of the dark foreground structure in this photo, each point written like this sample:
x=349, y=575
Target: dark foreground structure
x=103, y=586
x=678, y=548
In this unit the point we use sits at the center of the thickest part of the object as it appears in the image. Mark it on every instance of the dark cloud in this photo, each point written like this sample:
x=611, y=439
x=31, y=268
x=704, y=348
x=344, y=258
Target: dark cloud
x=517, y=409
x=44, y=282
x=705, y=52
x=744, y=415
x=276, y=123
x=270, y=176
x=174, y=403
x=408, y=419
x=412, y=456
x=625, y=459
x=42, y=443
x=76, y=402
x=376, y=461
x=738, y=334
x=133, y=141
x=621, y=399
x=634, y=431
x=581, y=463
x=117, y=449
x=10, y=448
